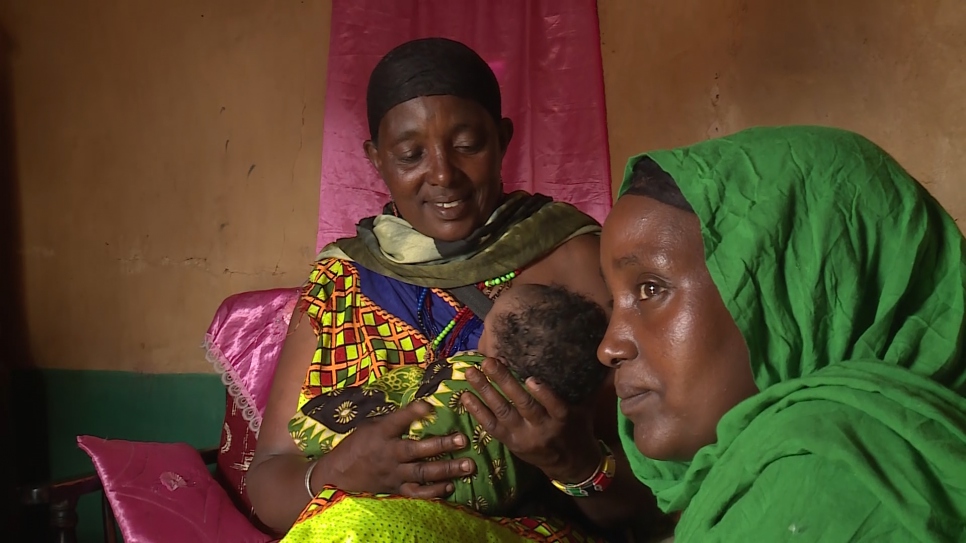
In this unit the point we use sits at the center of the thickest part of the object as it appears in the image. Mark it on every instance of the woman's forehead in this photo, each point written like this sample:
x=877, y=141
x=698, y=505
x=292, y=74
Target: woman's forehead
x=641, y=230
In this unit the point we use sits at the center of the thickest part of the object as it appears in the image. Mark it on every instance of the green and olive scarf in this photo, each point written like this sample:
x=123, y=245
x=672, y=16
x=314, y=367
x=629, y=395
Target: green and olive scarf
x=522, y=230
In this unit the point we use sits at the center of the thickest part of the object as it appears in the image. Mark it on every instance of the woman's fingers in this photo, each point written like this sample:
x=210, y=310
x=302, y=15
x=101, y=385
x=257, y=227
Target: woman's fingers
x=426, y=492
x=482, y=414
x=397, y=423
x=437, y=471
x=524, y=403
x=413, y=450
x=498, y=405
x=549, y=402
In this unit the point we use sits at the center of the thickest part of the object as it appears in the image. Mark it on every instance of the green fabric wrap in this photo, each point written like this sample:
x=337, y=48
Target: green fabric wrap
x=495, y=486
x=846, y=279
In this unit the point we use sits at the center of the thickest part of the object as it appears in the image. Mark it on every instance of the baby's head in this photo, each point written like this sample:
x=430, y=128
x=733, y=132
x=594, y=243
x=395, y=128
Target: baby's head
x=549, y=333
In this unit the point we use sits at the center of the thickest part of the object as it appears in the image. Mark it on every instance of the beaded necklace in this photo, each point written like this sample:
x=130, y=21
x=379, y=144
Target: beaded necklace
x=453, y=337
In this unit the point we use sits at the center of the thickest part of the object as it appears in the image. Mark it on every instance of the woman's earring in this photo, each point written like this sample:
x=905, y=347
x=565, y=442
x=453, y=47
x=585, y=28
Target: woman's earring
x=395, y=210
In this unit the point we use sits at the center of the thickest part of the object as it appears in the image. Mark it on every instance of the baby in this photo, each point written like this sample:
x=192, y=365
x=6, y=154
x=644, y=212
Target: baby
x=549, y=333
x=546, y=332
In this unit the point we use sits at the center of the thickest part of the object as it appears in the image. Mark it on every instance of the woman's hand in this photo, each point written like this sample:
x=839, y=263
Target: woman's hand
x=534, y=424
x=374, y=458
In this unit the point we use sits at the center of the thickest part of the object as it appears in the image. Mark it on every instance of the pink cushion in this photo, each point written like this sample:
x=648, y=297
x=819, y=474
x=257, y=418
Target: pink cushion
x=163, y=493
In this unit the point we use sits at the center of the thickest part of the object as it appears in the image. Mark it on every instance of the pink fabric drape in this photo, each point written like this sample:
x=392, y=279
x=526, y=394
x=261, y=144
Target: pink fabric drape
x=244, y=342
x=546, y=54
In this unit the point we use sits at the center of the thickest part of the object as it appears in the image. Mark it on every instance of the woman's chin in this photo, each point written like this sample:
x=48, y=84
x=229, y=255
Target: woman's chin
x=649, y=448
x=658, y=446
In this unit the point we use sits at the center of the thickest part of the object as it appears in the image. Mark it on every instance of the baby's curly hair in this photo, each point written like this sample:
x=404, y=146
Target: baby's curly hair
x=552, y=334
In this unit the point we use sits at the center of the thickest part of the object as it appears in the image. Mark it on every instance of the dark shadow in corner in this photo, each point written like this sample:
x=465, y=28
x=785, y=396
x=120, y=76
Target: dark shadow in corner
x=23, y=401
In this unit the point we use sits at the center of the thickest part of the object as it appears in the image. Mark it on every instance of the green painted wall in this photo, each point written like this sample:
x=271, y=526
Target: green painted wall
x=116, y=405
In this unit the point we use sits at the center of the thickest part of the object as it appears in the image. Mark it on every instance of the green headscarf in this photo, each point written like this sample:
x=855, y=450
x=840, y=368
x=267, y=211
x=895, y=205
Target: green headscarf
x=847, y=281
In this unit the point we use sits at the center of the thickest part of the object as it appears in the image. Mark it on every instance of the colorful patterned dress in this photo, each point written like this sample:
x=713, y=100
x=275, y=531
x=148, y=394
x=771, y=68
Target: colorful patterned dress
x=369, y=324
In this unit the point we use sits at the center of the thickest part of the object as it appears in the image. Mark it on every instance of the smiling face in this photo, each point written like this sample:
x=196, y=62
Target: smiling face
x=440, y=156
x=681, y=361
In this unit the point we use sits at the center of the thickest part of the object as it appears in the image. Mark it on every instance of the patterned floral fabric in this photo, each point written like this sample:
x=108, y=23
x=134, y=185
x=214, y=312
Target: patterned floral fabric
x=493, y=489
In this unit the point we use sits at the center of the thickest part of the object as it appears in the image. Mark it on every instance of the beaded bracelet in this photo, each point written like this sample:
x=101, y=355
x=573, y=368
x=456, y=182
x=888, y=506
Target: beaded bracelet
x=598, y=482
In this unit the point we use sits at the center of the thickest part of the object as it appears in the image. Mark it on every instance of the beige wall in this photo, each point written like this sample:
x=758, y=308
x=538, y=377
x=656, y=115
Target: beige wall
x=138, y=125
x=168, y=156
x=681, y=71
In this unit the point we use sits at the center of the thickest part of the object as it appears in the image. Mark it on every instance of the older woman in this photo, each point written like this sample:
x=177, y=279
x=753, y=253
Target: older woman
x=412, y=287
x=788, y=333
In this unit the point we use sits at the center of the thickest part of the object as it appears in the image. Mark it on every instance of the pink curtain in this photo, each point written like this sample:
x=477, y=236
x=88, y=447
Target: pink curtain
x=546, y=54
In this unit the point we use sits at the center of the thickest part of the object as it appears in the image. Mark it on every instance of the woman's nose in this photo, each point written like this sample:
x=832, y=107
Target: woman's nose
x=616, y=346
x=442, y=171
